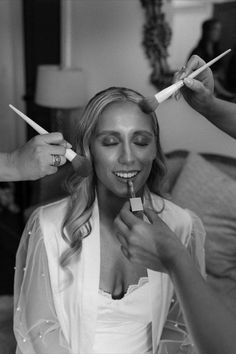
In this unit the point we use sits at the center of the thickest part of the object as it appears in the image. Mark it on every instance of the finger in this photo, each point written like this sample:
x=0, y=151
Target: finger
x=67, y=144
x=194, y=63
x=128, y=218
x=125, y=252
x=121, y=226
x=55, y=149
x=177, y=95
x=179, y=75
x=51, y=170
x=151, y=214
x=122, y=240
x=194, y=85
x=63, y=160
x=51, y=138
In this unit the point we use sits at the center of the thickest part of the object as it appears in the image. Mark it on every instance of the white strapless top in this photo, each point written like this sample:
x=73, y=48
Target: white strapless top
x=124, y=325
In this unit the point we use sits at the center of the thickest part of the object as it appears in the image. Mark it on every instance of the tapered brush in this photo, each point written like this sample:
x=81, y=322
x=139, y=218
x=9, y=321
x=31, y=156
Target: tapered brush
x=150, y=104
x=79, y=163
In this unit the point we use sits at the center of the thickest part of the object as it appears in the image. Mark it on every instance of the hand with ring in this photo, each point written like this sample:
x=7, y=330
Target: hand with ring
x=39, y=157
x=56, y=160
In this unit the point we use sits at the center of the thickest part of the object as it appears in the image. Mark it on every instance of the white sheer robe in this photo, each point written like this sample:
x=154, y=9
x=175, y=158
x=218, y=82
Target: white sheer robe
x=53, y=318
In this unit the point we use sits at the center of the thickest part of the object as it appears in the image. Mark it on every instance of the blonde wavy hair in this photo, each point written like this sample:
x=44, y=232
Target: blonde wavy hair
x=82, y=190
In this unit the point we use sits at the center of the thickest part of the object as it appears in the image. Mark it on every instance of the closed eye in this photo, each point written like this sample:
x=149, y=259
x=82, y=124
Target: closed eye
x=142, y=140
x=110, y=141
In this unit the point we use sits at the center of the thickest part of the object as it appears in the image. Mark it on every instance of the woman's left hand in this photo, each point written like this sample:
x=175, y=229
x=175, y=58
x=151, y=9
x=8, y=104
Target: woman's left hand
x=151, y=244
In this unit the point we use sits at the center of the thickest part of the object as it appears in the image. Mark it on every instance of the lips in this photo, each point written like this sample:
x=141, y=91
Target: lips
x=126, y=174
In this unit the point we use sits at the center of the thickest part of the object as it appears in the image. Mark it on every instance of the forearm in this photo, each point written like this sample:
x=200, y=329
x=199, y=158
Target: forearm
x=222, y=114
x=211, y=325
x=8, y=170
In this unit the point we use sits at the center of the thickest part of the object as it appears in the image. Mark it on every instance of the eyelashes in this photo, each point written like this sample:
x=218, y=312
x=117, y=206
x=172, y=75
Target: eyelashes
x=111, y=141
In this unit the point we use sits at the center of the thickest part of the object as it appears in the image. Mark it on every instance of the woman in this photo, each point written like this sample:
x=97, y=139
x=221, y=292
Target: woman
x=76, y=291
x=208, y=48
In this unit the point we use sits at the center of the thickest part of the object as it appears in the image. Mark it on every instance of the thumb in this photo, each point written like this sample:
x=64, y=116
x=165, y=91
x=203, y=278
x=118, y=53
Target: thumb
x=150, y=214
x=194, y=85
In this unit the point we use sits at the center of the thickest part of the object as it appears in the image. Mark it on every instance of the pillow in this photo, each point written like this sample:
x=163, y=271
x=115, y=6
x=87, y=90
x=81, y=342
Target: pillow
x=211, y=194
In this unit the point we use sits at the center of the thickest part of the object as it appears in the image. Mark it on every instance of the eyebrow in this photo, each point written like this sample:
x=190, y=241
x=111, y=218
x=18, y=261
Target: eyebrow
x=115, y=133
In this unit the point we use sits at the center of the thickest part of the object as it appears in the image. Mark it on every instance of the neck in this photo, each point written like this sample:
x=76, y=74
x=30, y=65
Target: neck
x=109, y=206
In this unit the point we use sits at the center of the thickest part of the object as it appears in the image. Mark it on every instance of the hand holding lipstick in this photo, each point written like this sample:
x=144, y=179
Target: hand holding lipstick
x=150, y=244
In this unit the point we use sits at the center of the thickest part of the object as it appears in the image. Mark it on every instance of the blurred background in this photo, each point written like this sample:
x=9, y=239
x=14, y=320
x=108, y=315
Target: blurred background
x=97, y=43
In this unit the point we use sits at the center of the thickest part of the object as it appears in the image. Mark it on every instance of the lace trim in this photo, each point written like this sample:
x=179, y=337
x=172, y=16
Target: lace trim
x=142, y=281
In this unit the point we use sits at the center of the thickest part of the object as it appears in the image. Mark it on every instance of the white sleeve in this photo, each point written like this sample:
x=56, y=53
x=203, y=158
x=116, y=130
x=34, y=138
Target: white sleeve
x=196, y=243
x=36, y=326
x=175, y=337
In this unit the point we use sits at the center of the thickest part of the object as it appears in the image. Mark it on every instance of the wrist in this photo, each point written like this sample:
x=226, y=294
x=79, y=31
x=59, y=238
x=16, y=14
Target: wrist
x=176, y=259
x=13, y=168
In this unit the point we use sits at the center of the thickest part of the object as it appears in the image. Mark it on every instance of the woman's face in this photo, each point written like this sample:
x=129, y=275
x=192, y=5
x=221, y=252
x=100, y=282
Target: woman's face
x=123, y=148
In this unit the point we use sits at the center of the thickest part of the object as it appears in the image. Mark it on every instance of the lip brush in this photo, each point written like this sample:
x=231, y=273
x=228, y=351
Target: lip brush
x=150, y=104
x=80, y=163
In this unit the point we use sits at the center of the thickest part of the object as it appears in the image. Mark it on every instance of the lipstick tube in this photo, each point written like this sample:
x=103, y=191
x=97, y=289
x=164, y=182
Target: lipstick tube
x=136, y=204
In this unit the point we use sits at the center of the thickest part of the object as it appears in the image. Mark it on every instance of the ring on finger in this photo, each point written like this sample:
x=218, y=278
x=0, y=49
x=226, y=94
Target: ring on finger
x=56, y=160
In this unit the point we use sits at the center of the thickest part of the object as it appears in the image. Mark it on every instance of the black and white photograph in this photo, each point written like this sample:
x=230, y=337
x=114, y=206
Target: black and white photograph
x=118, y=177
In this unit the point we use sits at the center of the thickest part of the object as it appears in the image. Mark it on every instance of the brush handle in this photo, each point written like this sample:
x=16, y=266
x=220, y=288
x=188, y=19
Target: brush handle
x=199, y=70
x=170, y=90
x=70, y=154
x=167, y=92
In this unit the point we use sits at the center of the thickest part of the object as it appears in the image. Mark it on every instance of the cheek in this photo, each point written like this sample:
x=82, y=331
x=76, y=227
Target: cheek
x=102, y=161
x=148, y=156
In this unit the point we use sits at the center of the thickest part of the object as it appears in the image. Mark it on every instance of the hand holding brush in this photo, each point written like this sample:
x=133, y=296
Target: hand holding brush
x=79, y=163
x=150, y=104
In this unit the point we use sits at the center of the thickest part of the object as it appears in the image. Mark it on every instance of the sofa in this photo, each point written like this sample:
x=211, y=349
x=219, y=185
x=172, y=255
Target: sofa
x=206, y=184
x=202, y=182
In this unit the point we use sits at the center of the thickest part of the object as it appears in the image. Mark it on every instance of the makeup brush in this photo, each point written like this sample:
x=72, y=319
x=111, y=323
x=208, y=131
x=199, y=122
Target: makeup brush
x=150, y=104
x=79, y=163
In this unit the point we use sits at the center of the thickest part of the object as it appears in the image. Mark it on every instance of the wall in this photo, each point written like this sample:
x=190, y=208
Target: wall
x=12, y=130
x=106, y=43
x=187, y=18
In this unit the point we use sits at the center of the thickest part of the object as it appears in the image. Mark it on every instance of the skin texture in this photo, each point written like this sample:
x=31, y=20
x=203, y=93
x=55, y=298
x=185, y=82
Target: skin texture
x=124, y=142
x=33, y=160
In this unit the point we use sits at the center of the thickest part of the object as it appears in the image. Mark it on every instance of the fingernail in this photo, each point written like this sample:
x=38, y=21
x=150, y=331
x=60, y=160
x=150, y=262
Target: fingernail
x=68, y=145
x=177, y=95
x=188, y=80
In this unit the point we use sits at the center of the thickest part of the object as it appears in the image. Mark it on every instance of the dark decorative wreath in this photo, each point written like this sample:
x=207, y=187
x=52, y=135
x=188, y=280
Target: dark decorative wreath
x=156, y=39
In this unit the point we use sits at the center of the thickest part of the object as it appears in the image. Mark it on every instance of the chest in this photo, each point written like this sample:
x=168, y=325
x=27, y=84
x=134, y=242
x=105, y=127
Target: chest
x=117, y=273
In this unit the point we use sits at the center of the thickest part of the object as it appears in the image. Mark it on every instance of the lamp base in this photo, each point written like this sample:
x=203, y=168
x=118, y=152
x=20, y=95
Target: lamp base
x=64, y=121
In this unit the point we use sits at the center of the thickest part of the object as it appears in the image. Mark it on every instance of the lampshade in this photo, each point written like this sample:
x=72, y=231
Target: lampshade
x=59, y=87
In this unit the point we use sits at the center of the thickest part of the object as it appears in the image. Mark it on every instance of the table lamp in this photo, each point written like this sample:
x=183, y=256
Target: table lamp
x=61, y=89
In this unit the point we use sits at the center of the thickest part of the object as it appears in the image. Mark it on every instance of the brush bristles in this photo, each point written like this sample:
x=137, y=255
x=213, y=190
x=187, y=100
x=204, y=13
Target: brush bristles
x=148, y=104
x=82, y=165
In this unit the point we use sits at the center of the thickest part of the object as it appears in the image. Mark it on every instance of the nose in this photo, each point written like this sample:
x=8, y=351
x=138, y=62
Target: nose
x=127, y=156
